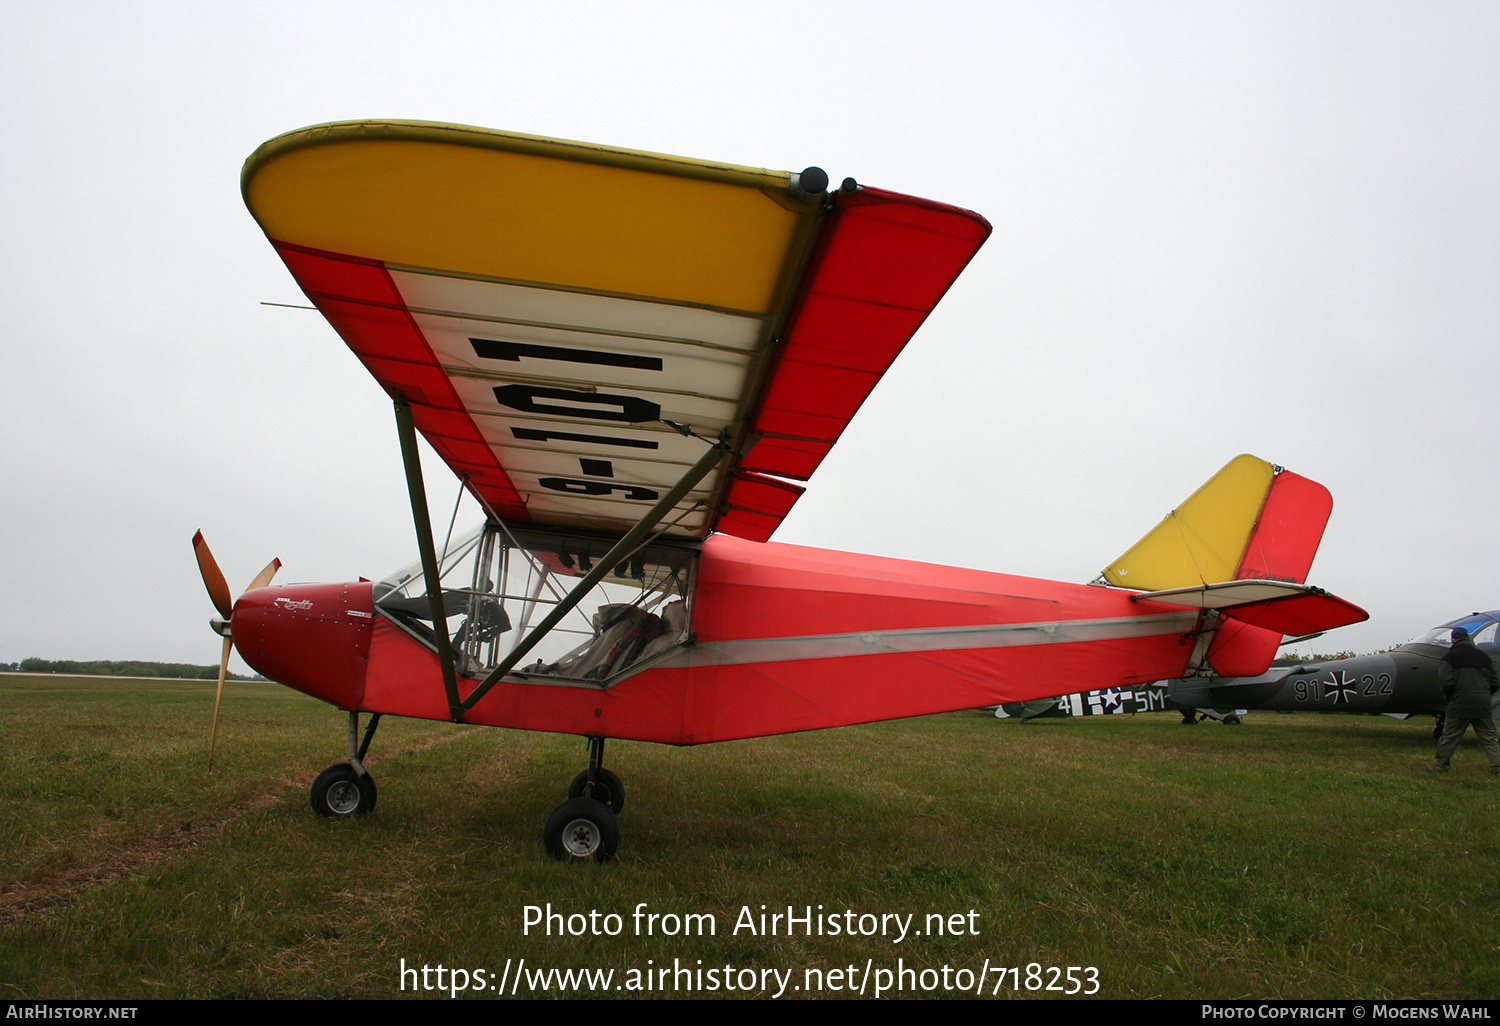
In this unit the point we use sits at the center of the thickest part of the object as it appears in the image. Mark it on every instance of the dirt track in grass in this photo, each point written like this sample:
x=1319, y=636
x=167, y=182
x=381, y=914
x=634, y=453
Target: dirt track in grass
x=21, y=899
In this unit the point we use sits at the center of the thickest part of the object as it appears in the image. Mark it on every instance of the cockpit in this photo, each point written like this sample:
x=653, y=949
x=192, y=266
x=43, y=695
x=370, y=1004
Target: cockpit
x=1482, y=628
x=499, y=580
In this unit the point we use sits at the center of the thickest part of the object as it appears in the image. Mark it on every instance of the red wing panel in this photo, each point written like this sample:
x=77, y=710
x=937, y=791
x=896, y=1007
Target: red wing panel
x=361, y=303
x=756, y=505
x=881, y=265
x=797, y=458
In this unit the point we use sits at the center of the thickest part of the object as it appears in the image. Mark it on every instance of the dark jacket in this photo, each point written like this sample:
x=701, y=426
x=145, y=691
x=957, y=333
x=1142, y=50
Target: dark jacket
x=1468, y=678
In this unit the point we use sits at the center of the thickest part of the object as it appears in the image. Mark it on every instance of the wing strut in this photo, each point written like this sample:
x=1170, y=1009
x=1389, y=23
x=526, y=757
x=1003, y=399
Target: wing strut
x=622, y=549
x=423, y=524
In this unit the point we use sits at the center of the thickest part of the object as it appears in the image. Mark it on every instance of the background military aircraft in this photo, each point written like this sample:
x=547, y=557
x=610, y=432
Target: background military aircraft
x=1401, y=682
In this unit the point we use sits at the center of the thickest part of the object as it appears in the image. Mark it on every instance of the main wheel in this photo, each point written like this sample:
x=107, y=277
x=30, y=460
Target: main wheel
x=581, y=829
x=1231, y=720
x=607, y=789
x=339, y=791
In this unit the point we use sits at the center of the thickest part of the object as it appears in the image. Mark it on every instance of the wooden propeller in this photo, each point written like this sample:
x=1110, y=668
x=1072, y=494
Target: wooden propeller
x=218, y=593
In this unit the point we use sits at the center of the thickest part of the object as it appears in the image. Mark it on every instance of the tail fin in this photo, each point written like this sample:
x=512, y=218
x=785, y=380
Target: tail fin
x=1287, y=532
x=1251, y=521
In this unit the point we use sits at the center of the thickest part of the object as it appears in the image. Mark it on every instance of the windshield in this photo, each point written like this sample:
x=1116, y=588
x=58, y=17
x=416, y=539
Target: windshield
x=498, y=581
x=1481, y=627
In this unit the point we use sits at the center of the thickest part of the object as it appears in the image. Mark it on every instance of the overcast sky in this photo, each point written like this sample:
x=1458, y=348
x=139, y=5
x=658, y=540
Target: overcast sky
x=1219, y=228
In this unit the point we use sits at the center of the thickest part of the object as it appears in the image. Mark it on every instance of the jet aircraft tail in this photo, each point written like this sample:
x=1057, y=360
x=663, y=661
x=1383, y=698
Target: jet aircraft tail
x=1240, y=548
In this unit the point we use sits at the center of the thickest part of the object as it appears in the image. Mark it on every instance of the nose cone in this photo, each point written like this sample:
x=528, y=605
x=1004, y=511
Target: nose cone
x=312, y=637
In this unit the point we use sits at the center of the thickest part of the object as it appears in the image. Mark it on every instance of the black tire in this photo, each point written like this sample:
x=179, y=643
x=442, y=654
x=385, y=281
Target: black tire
x=1231, y=720
x=581, y=829
x=607, y=789
x=339, y=791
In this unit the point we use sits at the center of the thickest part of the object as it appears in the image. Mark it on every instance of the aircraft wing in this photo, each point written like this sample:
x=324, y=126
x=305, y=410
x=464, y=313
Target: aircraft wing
x=572, y=325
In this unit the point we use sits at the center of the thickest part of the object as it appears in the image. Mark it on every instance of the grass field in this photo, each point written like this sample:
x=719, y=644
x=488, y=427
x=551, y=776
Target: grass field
x=1292, y=857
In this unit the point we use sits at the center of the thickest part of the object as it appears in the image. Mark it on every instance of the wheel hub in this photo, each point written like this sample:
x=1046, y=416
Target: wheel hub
x=581, y=838
x=343, y=797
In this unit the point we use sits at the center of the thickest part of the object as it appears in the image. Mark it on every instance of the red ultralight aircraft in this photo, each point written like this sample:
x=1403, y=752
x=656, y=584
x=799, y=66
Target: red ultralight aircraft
x=629, y=359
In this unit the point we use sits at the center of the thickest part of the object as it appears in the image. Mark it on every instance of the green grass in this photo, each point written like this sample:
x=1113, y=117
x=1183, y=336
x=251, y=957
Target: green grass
x=1293, y=857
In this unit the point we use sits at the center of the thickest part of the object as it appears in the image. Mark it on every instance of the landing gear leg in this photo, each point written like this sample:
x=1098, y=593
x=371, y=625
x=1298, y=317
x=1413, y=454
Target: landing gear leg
x=584, y=826
x=346, y=788
x=597, y=782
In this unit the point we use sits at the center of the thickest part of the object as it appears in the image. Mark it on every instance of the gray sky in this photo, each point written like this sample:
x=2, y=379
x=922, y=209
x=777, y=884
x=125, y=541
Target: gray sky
x=1219, y=228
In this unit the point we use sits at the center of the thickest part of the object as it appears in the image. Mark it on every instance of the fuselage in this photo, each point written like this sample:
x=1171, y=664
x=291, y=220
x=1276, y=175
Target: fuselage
x=782, y=638
x=1403, y=681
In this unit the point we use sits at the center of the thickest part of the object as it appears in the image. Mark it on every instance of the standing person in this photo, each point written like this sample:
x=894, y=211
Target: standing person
x=1469, y=679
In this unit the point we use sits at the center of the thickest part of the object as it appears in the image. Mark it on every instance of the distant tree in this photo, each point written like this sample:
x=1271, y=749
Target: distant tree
x=124, y=668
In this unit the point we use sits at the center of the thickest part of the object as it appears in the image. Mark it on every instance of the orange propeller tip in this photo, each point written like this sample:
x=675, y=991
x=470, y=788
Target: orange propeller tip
x=213, y=577
x=264, y=577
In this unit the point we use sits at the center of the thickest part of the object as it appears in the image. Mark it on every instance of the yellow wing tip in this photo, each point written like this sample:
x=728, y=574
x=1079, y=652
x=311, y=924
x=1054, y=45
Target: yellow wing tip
x=401, y=130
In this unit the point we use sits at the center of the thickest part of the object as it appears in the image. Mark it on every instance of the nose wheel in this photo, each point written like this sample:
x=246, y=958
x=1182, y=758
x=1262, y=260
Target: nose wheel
x=346, y=788
x=340, y=791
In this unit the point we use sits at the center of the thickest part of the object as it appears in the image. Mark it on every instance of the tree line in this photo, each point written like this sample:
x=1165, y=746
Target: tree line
x=120, y=668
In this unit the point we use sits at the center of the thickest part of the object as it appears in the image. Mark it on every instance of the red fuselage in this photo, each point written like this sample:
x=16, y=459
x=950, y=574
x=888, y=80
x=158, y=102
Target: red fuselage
x=786, y=639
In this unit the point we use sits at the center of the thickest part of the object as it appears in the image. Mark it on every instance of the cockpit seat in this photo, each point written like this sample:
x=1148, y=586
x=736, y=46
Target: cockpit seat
x=624, y=631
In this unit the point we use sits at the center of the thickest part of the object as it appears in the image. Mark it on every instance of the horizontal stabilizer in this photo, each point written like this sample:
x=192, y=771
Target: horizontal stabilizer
x=1304, y=615
x=1287, y=609
x=1227, y=594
